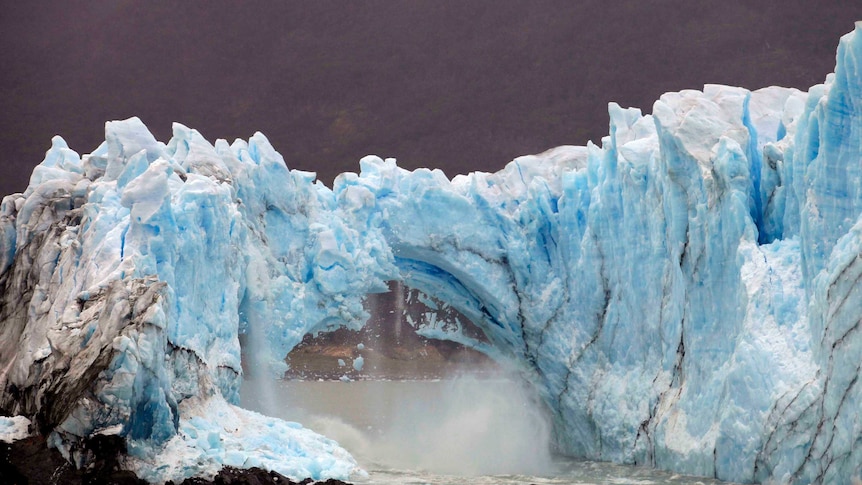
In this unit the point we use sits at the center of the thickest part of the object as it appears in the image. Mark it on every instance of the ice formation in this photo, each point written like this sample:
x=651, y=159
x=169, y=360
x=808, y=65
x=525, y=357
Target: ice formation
x=686, y=295
x=14, y=428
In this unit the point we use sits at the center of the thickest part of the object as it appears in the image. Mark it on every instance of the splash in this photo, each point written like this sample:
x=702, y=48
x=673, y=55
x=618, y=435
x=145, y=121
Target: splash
x=474, y=427
x=462, y=426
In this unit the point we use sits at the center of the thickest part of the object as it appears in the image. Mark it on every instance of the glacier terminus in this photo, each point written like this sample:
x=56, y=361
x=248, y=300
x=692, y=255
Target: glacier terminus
x=686, y=295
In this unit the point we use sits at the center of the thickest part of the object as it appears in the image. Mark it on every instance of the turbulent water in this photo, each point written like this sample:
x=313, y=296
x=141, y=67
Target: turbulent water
x=465, y=430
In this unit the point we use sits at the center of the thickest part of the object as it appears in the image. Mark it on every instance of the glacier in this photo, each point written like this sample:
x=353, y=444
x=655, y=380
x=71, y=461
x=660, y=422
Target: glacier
x=685, y=295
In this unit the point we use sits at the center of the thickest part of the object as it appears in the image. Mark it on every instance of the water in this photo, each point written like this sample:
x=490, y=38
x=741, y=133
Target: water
x=465, y=430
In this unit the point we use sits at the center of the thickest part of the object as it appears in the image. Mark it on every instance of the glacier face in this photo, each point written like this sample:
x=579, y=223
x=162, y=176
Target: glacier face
x=686, y=295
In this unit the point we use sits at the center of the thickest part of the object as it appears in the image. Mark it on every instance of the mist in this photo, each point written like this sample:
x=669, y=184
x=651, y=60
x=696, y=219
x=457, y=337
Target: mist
x=462, y=426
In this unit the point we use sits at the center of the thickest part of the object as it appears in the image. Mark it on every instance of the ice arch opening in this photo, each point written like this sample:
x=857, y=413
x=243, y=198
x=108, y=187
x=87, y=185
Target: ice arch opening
x=446, y=238
x=426, y=400
x=473, y=243
x=407, y=336
x=456, y=241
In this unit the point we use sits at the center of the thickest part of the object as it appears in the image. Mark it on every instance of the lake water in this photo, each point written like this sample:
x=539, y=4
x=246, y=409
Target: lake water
x=465, y=430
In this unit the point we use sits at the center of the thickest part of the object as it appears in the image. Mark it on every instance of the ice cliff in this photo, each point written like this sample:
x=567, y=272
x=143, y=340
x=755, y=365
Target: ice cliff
x=687, y=295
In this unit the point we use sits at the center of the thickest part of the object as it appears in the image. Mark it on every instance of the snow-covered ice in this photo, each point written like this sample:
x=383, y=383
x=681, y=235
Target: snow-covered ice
x=14, y=428
x=687, y=294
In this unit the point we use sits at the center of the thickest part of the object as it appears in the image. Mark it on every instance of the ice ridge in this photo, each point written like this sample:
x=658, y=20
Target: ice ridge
x=686, y=295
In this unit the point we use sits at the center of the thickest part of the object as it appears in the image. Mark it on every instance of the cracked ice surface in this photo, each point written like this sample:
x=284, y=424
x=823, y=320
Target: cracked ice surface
x=686, y=295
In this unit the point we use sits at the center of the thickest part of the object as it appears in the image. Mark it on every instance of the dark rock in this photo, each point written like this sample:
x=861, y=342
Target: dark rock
x=30, y=461
x=253, y=476
x=105, y=465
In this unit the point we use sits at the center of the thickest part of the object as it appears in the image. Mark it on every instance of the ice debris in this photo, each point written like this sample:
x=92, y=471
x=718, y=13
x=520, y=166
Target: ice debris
x=213, y=434
x=686, y=295
x=14, y=428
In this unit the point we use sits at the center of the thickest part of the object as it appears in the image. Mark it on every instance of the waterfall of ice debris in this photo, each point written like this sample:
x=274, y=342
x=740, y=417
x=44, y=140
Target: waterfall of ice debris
x=686, y=295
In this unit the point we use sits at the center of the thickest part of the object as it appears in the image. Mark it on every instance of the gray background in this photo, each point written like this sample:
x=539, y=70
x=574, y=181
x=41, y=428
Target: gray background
x=460, y=86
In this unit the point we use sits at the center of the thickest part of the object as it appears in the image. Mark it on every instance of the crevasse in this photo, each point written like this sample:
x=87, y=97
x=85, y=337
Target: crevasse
x=686, y=295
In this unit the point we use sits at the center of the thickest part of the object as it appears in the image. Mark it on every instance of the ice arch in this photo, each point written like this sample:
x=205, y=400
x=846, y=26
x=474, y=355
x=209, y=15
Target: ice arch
x=685, y=294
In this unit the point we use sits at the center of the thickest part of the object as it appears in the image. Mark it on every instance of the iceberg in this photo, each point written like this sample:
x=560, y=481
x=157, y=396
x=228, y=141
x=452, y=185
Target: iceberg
x=685, y=295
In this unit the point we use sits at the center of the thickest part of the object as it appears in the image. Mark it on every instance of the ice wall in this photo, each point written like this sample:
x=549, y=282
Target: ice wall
x=127, y=276
x=686, y=295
